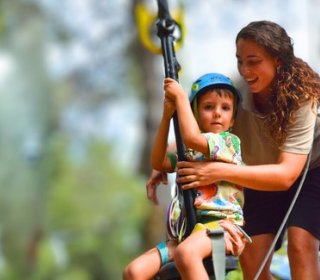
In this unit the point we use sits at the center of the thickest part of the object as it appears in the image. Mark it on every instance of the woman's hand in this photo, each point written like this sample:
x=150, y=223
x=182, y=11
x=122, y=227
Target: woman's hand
x=154, y=180
x=195, y=174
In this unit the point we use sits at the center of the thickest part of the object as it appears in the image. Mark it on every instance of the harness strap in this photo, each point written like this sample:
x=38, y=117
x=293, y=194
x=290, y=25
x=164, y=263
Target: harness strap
x=218, y=252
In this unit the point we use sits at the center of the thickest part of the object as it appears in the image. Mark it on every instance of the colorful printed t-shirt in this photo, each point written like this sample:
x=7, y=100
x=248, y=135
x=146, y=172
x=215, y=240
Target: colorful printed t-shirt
x=223, y=199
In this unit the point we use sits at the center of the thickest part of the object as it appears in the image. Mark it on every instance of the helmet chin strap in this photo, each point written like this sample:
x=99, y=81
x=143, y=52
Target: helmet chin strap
x=271, y=249
x=195, y=109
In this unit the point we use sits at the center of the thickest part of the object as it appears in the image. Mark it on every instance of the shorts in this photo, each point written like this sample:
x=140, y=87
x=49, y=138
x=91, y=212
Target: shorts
x=234, y=237
x=264, y=211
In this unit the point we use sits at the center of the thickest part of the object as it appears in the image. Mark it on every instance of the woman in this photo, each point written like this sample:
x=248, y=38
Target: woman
x=277, y=124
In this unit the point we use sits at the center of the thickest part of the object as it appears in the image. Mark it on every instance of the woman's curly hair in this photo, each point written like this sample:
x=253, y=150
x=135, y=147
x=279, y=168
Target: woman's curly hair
x=295, y=81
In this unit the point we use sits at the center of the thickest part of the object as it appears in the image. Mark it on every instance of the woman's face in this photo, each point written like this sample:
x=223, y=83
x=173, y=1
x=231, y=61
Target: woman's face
x=256, y=66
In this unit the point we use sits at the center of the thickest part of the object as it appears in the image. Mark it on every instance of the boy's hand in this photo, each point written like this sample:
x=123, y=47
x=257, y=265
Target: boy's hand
x=173, y=89
x=169, y=107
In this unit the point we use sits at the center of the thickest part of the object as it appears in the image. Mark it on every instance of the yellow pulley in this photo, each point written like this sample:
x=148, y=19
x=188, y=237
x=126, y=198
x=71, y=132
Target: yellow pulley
x=147, y=29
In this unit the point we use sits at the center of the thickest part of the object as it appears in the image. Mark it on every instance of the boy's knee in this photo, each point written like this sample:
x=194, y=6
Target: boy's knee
x=126, y=273
x=130, y=272
x=184, y=254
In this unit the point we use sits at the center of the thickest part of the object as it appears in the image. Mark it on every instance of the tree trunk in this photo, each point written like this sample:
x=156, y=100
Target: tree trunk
x=152, y=72
x=24, y=123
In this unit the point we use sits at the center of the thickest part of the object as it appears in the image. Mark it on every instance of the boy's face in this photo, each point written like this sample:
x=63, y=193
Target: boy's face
x=215, y=112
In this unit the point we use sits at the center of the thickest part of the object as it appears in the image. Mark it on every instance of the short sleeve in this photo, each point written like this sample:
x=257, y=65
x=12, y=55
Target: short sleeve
x=300, y=133
x=224, y=146
x=173, y=159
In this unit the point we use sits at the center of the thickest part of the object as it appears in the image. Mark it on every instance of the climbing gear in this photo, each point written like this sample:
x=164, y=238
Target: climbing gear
x=218, y=252
x=223, y=242
x=164, y=252
x=145, y=22
x=176, y=218
x=213, y=80
x=244, y=233
x=184, y=199
x=165, y=30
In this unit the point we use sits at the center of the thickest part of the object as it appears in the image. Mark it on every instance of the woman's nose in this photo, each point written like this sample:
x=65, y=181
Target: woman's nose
x=244, y=70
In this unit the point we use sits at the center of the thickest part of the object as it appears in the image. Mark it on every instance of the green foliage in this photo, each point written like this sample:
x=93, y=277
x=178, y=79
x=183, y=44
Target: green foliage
x=97, y=211
x=234, y=275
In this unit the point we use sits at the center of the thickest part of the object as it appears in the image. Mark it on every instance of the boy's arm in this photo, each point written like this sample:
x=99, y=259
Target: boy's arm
x=159, y=158
x=189, y=128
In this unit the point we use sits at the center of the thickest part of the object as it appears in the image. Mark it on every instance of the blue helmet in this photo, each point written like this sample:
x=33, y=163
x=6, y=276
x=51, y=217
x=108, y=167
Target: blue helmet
x=214, y=80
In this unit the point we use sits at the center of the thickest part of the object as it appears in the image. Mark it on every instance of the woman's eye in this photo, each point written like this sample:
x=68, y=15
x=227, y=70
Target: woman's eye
x=254, y=62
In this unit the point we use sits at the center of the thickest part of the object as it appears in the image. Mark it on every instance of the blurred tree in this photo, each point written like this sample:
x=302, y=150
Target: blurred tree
x=28, y=128
x=150, y=76
x=25, y=122
x=60, y=206
x=150, y=73
x=96, y=211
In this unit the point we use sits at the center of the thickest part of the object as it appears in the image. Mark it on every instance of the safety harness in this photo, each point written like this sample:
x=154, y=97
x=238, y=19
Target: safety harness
x=218, y=252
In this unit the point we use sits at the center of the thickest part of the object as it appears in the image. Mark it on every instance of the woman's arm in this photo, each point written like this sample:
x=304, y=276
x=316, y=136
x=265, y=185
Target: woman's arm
x=189, y=128
x=269, y=177
x=153, y=181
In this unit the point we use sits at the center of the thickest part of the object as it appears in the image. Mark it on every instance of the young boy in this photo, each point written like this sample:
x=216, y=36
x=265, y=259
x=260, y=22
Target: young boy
x=205, y=131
